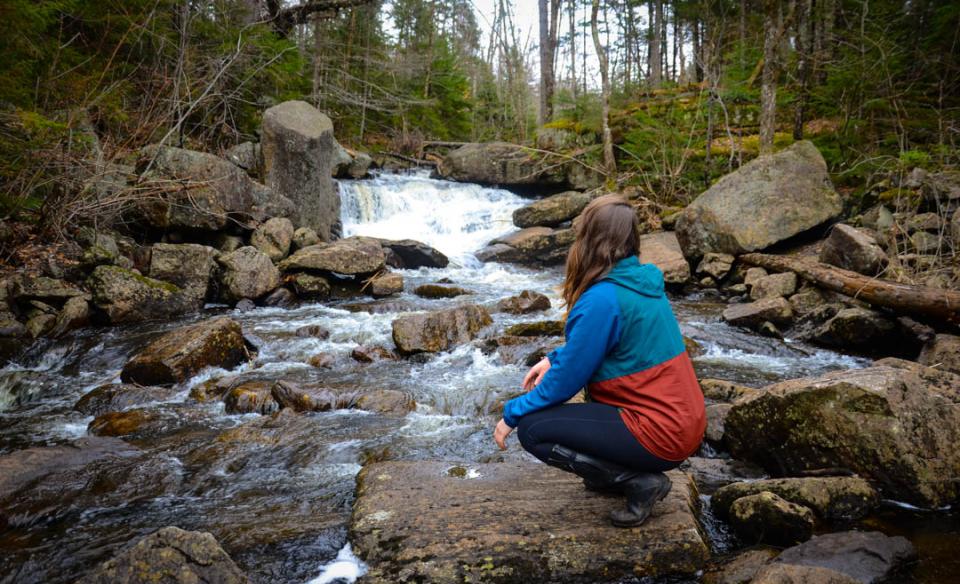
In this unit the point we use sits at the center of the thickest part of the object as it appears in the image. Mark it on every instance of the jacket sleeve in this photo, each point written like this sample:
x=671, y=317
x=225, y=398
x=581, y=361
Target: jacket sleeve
x=592, y=331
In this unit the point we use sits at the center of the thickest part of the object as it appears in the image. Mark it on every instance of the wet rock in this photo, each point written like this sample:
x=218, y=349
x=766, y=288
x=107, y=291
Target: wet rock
x=169, y=556
x=10, y=326
x=322, y=361
x=245, y=305
x=806, y=301
x=410, y=254
x=371, y=353
x=213, y=192
x=359, y=167
x=894, y=423
x=44, y=484
x=246, y=273
x=716, y=414
x=350, y=256
x=663, y=250
x=503, y=164
x=831, y=498
x=386, y=285
x=313, y=330
x=386, y=402
x=309, y=286
x=716, y=265
x=186, y=265
x=774, y=285
x=769, y=518
x=432, y=332
x=790, y=574
x=533, y=245
x=438, y=291
x=851, y=249
x=124, y=423
x=524, y=303
x=472, y=535
x=943, y=352
x=273, y=238
x=754, y=314
x=252, y=397
x=298, y=155
x=742, y=568
x=280, y=297
x=860, y=330
x=724, y=391
x=552, y=211
x=765, y=201
x=180, y=354
x=868, y=557
x=121, y=396
x=304, y=237
x=123, y=295
x=309, y=398
x=711, y=474
x=543, y=328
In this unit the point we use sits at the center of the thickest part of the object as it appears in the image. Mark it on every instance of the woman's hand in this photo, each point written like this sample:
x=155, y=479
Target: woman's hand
x=500, y=434
x=536, y=373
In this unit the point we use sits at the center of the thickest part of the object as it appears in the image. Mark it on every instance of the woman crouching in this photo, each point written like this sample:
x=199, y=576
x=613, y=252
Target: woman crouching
x=645, y=413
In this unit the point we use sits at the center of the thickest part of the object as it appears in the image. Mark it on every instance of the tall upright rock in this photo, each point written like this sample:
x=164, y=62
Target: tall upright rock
x=299, y=151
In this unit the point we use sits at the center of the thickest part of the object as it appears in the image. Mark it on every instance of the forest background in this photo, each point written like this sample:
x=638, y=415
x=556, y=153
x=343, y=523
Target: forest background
x=688, y=90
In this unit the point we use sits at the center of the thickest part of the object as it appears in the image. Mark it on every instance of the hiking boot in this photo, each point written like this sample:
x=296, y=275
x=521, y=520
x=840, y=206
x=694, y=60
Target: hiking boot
x=643, y=492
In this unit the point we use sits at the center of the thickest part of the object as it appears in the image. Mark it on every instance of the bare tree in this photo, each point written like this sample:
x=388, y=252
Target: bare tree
x=549, y=15
x=768, y=88
x=608, y=160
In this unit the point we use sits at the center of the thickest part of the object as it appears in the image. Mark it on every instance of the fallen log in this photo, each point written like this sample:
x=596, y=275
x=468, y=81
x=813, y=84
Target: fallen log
x=918, y=300
x=411, y=159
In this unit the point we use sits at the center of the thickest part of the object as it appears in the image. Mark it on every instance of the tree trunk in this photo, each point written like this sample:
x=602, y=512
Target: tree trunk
x=572, y=17
x=608, y=160
x=768, y=89
x=546, y=61
x=697, y=52
x=656, y=61
x=803, y=65
x=918, y=300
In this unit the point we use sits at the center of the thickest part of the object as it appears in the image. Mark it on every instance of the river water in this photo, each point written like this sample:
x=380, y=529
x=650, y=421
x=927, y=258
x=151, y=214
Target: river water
x=276, y=492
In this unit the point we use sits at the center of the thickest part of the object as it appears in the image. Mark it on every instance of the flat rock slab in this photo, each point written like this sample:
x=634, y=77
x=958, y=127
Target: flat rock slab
x=444, y=522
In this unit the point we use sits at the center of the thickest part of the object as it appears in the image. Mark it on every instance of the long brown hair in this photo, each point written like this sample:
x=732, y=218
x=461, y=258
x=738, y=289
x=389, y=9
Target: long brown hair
x=607, y=231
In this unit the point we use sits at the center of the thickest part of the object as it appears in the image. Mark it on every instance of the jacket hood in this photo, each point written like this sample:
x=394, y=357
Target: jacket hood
x=629, y=273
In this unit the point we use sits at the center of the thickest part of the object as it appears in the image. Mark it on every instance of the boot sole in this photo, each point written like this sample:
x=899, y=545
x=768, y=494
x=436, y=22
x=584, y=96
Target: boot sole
x=661, y=494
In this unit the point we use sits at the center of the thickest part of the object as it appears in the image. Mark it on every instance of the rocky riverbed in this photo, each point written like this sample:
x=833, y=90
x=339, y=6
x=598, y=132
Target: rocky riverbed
x=280, y=402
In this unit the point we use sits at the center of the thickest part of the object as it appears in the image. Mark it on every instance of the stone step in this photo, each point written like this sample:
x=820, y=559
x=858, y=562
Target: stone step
x=439, y=522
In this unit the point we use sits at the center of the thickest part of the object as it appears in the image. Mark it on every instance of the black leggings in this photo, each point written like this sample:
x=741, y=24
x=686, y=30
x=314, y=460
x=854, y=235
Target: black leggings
x=591, y=428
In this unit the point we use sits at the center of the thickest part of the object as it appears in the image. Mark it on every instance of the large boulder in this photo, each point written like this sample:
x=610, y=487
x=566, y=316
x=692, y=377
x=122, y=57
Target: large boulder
x=791, y=574
x=533, y=245
x=524, y=303
x=774, y=285
x=199, y=191
x=765, y=201
x=351, y=256
x=26, y=288
x=860, y=330
x=851, y=249
x=868, y=557
x=552, y=211
x=753, y=314
x=663, y=250
x=273, y=237
x=432, y=332
x=246, y=273
x=896, y=423
x=180, y=354
x=501, y=163
x=411, y=254
x=831, y=498
x=483, y=531
x=123, y=295
x=186, y=265
x=298, y=151
x=169, y=556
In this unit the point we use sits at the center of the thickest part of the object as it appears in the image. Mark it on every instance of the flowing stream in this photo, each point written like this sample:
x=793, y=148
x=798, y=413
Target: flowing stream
x=276, y=492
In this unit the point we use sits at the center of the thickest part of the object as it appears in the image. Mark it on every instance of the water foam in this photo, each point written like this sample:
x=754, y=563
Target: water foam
x=346, y=566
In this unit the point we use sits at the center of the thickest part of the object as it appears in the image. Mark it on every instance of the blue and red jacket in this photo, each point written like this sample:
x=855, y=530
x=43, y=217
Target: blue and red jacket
x=623, y=343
